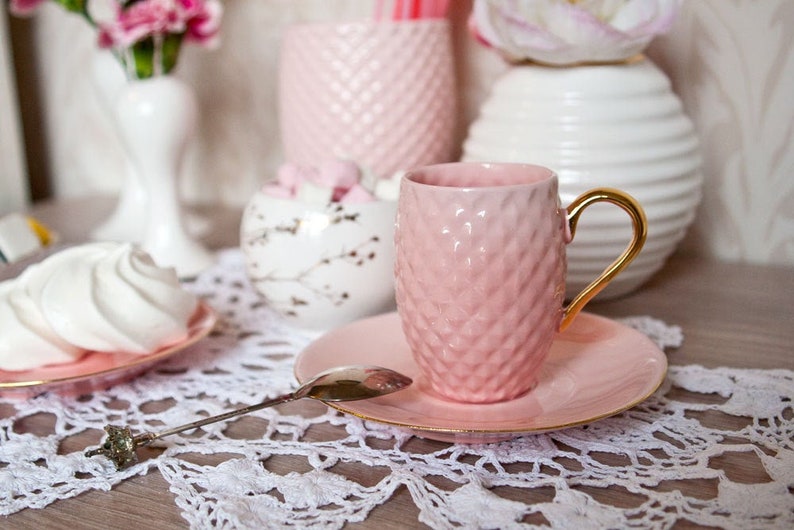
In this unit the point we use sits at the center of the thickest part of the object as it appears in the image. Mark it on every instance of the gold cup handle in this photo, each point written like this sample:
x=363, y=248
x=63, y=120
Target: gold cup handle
x=640, y=225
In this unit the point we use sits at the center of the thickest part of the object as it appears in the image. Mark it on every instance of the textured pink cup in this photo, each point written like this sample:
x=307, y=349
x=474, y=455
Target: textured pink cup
x=480, y=273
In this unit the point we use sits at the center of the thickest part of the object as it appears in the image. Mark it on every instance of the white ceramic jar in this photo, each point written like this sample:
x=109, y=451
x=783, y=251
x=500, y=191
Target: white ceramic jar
x=616, y=125
x=320, y=266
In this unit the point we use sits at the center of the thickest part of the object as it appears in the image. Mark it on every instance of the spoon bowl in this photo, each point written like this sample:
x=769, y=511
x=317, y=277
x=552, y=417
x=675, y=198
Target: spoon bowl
x=343, y=383
x=351, y=383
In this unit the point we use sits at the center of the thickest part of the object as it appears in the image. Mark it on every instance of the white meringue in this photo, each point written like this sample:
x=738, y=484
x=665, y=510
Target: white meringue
x=26, y=340
x=105, y=297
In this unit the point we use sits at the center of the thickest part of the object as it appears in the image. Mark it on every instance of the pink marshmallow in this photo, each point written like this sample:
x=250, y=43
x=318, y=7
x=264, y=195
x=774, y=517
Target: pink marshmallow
x=293, y=175
x=339, y=193
x=342, y=174
x=289, y=175
x=357, y=194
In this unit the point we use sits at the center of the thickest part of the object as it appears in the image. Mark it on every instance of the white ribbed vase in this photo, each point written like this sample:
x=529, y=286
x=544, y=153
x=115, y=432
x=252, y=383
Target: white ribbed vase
x=615, y=125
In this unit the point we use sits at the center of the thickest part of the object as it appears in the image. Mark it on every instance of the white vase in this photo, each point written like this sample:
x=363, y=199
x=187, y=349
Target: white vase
x=123, y=224
x=616, y=125
x=156, y=118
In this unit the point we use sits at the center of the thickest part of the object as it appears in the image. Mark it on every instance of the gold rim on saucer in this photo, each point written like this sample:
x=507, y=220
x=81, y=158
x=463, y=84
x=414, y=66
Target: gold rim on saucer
x=597, y=368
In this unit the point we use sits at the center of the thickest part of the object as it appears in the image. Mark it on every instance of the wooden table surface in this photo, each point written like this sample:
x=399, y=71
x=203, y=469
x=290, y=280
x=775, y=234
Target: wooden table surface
x=734, y=315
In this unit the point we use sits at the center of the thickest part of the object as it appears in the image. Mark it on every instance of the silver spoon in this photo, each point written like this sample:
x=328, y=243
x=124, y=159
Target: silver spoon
x=344, y=383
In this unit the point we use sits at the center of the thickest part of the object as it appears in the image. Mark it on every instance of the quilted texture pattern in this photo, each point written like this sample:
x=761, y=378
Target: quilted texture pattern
x=381, y=94
x=480, y=284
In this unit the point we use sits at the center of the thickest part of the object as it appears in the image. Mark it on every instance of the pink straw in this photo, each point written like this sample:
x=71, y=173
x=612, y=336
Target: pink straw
x=443, y=8
x=414, y=9
x=427, y=9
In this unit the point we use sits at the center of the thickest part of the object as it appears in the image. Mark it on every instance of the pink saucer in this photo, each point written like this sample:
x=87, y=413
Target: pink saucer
x=97, y=371
x=597, y=368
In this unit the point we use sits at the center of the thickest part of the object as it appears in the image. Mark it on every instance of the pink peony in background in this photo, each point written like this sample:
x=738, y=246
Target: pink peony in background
x=560, y=32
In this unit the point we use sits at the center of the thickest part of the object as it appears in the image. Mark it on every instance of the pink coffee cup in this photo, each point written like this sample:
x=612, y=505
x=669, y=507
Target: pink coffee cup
x=480, y=273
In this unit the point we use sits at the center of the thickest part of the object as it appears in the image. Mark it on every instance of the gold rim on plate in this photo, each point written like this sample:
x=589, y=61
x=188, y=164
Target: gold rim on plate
x=201, y=324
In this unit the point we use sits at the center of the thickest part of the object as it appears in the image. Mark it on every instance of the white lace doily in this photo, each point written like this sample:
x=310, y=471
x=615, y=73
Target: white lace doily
x=659, y=453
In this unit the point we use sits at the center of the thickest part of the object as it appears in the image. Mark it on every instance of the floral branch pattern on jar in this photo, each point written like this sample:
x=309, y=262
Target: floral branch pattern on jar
x=563, y=32
x=311, y=278
x=318, y=243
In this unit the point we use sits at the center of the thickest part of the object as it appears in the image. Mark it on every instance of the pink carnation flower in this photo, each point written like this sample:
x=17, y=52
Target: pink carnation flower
x=203, y=27
x=198, y=20
x=145, y=34
x=24, y=7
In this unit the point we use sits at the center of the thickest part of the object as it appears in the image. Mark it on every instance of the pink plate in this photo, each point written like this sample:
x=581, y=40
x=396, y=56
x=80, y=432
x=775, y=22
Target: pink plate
x=596, y=368
x=97, y=371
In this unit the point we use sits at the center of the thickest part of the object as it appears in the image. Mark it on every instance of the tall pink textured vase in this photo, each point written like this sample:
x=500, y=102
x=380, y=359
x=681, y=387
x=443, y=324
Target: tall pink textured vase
x=379, y=93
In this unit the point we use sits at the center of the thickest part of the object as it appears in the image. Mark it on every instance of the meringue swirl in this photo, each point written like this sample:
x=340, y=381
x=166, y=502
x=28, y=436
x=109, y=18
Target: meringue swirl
x=105, y=297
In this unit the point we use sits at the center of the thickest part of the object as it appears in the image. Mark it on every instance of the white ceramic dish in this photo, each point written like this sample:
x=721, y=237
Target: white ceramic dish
x=97, y=371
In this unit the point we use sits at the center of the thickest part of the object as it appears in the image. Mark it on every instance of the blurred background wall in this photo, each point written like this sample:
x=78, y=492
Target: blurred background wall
x=730, y=61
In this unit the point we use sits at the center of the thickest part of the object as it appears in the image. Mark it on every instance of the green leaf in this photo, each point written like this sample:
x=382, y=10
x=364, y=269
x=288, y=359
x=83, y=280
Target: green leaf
x=170, y=51
x=76, y=6
x=143, y=55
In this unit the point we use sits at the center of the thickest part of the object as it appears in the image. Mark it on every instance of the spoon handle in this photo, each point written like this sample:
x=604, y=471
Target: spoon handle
x=147, y=437
x=121, y=444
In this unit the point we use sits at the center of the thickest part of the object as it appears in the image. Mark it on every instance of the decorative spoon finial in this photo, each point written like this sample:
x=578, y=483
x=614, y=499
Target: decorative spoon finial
x=119, y=447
